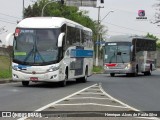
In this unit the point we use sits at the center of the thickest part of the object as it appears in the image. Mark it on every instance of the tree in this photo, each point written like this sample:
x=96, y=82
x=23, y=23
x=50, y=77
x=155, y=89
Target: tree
x=151, y=36
x=59, y=10
x=155, y=38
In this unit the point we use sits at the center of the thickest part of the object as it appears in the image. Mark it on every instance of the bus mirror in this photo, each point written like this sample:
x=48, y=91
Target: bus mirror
x=60, y=39
x=9, y=39
x=102, y=45
x=132, y=48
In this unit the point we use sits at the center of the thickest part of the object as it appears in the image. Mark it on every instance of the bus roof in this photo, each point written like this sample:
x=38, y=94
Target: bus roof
x=46, y=22
x=125, y=38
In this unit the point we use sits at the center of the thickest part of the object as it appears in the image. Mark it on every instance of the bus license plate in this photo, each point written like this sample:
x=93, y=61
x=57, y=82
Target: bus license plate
x=34, y=78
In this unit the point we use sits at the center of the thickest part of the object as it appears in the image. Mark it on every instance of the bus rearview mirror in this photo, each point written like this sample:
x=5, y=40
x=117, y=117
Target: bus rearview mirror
x=132, y=48
x=60, y=39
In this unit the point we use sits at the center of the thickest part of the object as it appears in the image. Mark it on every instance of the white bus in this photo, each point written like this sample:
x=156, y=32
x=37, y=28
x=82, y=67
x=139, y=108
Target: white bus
x=51, y=49
x=129, y=55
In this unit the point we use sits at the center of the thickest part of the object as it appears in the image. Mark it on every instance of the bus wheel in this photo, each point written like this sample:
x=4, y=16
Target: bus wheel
x=148, y=72
x=84, y=79
x=136, y=72
x=25, y=83
x=112, y=74
x=64, y=82
x=128, y=74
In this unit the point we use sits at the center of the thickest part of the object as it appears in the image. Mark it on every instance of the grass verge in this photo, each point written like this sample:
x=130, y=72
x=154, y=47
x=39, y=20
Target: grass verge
x=5, y=67
x=97, y=69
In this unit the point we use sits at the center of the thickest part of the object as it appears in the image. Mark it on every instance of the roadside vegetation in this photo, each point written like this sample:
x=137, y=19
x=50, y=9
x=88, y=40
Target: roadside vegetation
x=5, y=67
x=97, y=69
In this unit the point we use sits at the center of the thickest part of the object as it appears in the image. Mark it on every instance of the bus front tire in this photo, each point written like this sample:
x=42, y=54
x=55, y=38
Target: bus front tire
x=25, y=83
x=84, y=79
x=112, y=74
x=64, y=82
x=148, y=73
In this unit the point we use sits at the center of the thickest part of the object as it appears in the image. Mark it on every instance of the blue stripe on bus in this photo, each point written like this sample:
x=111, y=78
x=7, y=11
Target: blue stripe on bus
x=81, y=53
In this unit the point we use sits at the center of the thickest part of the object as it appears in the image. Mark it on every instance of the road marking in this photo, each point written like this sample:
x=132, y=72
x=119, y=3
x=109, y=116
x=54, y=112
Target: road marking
x=90, y=93
x=79, y=104
x=125, y=106
x=60, y=100
x=93, y=89
x=105, y=93
x=89, y=98
x=100, y=86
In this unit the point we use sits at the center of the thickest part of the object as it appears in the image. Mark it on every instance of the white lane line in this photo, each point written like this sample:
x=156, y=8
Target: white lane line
x=79, y=104
x=117, y=99
x=91, y=93
x=98, y=98
x=93, y=89
x=132, y=108
x=60, y=100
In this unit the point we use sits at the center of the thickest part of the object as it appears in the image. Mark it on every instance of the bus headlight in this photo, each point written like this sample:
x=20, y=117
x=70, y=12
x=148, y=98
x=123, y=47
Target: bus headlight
x=128, y=66
x=16, y=68
x=53, y=68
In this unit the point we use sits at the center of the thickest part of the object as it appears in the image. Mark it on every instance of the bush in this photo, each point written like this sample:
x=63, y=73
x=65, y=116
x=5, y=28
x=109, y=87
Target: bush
x=5, y=74
x=97, y=69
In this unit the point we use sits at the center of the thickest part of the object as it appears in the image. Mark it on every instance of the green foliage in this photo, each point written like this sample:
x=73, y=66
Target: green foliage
x=5, y=74
x=5, y=67
x=59, y=10
x=151, y=36
x=97, y=69
x=155, y=38
x=158, y=46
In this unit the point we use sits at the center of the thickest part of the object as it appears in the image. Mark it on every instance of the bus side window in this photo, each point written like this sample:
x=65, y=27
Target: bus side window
x=64, y=47
x=70, y=36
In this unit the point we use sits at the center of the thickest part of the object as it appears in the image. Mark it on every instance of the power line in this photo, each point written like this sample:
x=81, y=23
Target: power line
x=8, y=22
x=118, y=32
x=10, y=16
x=128, y=28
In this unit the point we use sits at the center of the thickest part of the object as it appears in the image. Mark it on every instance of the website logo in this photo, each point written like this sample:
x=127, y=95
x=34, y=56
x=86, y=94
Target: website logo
x=6, y=114
x=141, y=14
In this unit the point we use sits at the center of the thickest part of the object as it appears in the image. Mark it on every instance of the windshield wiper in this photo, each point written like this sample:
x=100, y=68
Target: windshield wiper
x=34, y=51
x=38, y=54
x=112, y=57
x=29, y=54
x=120, y=53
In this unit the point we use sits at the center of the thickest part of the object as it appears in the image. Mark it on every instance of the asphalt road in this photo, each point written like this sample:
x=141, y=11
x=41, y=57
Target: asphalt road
x=142, y=92
x=15, y=97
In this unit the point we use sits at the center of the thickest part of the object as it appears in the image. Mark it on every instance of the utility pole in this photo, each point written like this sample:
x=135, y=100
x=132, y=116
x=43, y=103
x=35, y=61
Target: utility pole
x=23, y=10
x=97, y=47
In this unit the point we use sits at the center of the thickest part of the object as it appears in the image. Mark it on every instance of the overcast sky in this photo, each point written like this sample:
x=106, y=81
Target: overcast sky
x=121, y=21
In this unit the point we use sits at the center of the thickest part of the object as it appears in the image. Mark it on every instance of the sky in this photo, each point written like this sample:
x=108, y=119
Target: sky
x=121, y=21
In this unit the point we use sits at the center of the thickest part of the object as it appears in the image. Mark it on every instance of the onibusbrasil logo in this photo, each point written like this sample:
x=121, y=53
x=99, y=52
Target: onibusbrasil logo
x=141, y=15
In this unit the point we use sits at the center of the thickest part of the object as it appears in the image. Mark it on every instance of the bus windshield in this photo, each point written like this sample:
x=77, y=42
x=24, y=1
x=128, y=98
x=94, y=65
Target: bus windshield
x=117, y=52
x=36, y=46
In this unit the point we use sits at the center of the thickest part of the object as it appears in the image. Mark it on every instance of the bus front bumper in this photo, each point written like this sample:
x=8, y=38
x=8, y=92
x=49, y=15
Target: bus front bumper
x=118, y=71
x=45, y=77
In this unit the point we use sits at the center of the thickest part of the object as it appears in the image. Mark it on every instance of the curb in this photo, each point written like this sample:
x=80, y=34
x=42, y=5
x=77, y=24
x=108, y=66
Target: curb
x=2, y=81
x=98, y=72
